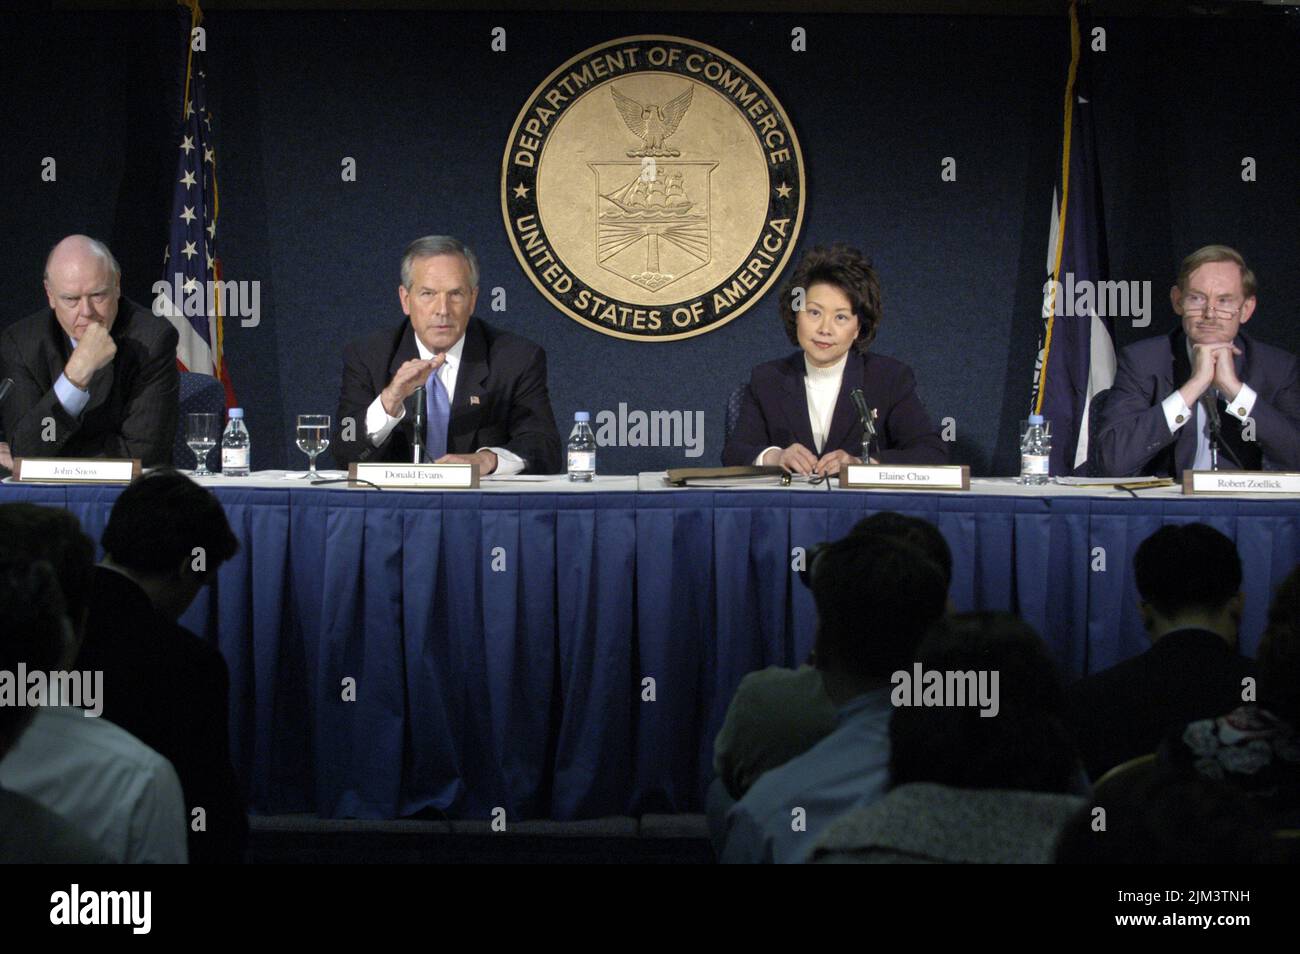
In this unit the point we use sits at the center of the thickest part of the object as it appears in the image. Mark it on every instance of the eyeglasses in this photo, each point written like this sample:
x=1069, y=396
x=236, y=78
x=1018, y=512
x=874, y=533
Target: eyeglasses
x=813, y=479
x=1197, y=305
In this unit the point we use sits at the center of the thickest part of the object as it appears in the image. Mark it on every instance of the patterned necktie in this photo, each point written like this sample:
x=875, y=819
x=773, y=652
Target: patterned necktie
x=439, y=414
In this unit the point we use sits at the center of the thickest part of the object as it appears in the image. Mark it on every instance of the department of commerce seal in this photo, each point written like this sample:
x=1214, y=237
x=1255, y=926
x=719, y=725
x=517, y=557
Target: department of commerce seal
x=652, y=188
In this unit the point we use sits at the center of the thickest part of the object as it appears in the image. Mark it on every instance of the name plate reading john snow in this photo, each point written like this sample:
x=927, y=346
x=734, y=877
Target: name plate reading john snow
x=415, y=476
x=885, y=477
x=1241, y=482
x=71, y=470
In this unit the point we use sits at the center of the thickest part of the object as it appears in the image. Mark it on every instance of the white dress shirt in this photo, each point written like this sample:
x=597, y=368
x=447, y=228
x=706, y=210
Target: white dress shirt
x=379, y=423
x=822, y=385
x=1177, y=414
x=120, y=793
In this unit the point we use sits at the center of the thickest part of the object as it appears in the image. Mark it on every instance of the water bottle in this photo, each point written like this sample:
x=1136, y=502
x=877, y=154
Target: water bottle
x=582, y=448
x=235, y=446
x=1035, y=452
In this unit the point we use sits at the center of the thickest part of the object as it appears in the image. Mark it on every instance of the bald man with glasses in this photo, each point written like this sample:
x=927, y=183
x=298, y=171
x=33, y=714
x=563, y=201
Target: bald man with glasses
x=1159, y=417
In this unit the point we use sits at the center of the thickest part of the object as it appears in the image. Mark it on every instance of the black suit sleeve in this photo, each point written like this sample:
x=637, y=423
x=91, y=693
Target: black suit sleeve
x=751, y=435
x=533, y=435
x=909, y=435
x=1277, y=422
x=29, y=406
x=356, y=394
x=1133, y=428
x=147, y=428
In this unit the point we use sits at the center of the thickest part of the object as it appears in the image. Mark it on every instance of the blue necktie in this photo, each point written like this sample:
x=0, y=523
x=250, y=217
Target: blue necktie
x=439, y=413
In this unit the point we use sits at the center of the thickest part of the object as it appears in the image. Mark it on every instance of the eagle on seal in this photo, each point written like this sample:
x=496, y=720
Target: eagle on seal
x=653, y=123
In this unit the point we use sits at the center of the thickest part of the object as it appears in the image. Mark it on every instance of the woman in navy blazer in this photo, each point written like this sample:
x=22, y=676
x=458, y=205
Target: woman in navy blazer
x=797, y=412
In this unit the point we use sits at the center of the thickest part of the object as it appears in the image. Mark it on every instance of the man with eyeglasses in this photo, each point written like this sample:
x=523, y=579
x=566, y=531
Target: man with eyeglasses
x=94, y=375
x=1204, y=390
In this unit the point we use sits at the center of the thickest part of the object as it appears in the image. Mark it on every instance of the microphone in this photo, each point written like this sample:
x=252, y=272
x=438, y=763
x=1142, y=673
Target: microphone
x=868, y=425
x=5, y=387
x=420, y=413
x=1216, y=426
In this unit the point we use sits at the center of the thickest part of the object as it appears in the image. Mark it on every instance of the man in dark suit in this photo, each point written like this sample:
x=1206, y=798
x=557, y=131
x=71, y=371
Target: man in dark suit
x=165, y=539
x=90, y=379
x=486, y=399
x=1168, y=391
x=1189, y=587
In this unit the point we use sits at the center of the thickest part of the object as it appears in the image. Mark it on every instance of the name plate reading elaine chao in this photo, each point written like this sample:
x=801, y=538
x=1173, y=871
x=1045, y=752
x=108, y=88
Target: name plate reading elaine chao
x=415, y=476
x=1240, y=482
x=885, y=476
x=75, y=470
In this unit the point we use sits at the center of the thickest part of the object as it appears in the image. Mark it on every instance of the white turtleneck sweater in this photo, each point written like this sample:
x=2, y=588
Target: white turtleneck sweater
x=822, y=385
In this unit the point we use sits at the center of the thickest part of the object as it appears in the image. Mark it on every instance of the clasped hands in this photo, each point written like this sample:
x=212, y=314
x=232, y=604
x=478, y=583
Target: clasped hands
x=412, y=375
x=798, y=459
x=1212, y=366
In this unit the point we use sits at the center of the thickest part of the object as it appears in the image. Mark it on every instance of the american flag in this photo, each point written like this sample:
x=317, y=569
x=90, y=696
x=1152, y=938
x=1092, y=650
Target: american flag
x=190, y=265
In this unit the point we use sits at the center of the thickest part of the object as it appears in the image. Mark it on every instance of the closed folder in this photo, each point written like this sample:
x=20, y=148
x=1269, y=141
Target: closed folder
x=680, y=476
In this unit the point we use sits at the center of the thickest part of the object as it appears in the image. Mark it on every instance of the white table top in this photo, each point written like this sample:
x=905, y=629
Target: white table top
x=655, y=482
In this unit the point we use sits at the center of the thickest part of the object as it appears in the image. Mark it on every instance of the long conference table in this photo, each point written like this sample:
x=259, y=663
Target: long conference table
x=568, y=650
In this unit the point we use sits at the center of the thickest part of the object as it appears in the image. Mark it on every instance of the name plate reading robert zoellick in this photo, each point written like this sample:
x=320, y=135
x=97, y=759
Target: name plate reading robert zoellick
x=415, y=476
x=1241, y=482
x=885, y=477
x=71, y=470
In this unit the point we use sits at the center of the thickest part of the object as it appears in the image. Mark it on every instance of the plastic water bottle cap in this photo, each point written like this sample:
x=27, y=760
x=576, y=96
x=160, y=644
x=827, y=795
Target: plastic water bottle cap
x=581, y=417
x=236, y=412
x=1035, y=419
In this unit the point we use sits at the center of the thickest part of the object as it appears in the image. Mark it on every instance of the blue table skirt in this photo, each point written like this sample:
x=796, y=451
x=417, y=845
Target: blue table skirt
x=500, y=645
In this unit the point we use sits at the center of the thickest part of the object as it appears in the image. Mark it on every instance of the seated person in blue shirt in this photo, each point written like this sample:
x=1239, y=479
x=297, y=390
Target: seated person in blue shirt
x=875, y=597
x=797, y=412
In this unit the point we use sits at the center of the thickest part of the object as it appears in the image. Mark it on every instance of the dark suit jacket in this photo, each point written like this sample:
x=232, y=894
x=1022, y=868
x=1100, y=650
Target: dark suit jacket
x=133, y=401
x=170, y=690
x=774, y=413
x=1132, y=435
x=1126, y=710
x=505, y=373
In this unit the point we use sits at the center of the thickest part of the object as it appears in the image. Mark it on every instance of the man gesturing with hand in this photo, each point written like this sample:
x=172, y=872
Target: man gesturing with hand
x=1157, y=418
x=485, y=393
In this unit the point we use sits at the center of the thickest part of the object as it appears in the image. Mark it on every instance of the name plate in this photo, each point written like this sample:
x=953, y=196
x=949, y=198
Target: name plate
x=886, y=476
x=415, y=476
x=1240, y=482
x=75, y=470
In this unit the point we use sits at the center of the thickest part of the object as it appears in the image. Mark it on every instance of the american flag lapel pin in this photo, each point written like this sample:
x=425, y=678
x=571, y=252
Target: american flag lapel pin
x=473, y=399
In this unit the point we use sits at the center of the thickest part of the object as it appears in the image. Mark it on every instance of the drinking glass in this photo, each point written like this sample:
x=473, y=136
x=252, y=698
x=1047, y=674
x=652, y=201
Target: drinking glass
x=313, y=437
x=201, y=435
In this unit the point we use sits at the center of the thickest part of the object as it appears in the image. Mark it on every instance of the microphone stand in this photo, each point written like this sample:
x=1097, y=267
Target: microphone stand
x=868, y=426
x=1216, y=426
x=419, y=425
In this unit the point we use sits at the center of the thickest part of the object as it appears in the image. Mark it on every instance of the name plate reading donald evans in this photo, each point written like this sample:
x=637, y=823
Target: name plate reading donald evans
x=1240, y=482
x=415, y=476
x=901, y=476
x=73, y=470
